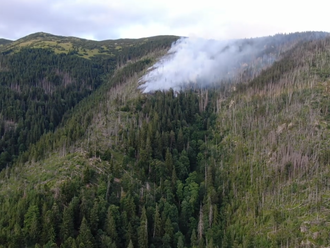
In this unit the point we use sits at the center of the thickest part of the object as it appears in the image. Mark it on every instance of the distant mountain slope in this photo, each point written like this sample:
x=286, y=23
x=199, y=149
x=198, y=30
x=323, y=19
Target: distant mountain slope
x=4, y=41
x=82, y=47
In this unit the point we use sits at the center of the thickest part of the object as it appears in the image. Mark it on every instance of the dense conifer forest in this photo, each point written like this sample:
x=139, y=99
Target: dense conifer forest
x=89, y=161
x=38, y=86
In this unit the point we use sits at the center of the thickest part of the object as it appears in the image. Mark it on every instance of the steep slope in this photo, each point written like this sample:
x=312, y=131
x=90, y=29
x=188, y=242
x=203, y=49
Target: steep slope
x=69, y=169
x=244, y=165
x=275, y=153
x=38, y=84
x=91, y=128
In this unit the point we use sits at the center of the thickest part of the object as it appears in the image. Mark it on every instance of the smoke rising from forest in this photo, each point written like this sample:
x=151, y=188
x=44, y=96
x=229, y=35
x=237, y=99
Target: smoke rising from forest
x=197, y=62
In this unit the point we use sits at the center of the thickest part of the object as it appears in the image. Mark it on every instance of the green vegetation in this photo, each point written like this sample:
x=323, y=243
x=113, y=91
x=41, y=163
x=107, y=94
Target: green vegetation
x=85, y=48
x=4, y=42
x=39, y=86
x=244, y=165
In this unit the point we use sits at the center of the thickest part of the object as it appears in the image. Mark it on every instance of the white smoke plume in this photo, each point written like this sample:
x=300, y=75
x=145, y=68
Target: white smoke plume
x=195, y=61
x=201, y=63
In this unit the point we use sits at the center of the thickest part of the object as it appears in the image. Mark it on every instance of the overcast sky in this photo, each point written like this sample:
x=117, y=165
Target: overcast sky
x=112, y=19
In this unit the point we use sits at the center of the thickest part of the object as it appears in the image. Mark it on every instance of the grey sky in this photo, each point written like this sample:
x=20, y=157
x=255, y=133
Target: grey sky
x=106, y=19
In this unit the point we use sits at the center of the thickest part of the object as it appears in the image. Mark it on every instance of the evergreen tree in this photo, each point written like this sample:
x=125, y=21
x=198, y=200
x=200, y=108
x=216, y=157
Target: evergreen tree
x=130, y=245
x=180, y=141
x=143, y=230
x=31, y=224
x=94, y=218
x=193, y=239
x=168, y=161
x=69, y=243
x=111, y=230
x=180, y=243
x=85, y=238
x=17, y=239
x=157, y=224
x=67, y=227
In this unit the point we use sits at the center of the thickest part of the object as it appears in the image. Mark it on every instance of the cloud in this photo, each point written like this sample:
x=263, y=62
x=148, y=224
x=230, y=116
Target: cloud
x=103, y=19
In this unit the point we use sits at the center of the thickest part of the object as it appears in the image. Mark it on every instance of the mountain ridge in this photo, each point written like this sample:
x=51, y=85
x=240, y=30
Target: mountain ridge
x=4, y=41
x=78, y=46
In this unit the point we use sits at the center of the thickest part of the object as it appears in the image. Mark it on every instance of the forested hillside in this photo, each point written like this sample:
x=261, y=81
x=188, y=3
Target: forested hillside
x=38, y=85
x=242, y=164
x=4, y=41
